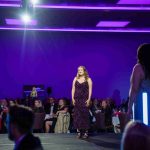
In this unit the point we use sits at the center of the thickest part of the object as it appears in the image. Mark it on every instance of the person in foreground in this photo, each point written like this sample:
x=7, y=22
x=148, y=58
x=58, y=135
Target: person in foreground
x=81, y=99
x=19, y=122
x=139, y=84
x=136, y=137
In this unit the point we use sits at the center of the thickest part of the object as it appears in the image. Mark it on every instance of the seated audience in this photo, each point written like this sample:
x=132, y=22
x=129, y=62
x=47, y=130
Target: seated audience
x=50, y=108
x=116, y=120
x=95, y=108
x=111, y=103
x=124, y=105
x=136, y=137
x=63, y=117
x=3, y=115
x=12, y=102
x=20, y=120
x=38, y=108
x=106, y=109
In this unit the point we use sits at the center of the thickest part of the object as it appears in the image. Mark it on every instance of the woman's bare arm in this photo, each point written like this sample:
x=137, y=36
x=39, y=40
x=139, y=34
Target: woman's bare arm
x=90, y=88
x=136, y=77
x=90, y=92
x=73, y=91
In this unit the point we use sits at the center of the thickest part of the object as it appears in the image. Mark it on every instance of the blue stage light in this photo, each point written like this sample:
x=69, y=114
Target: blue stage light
x=145, y=108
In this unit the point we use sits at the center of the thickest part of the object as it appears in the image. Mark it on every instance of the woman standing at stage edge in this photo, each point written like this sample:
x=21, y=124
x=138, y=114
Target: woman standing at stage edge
x=140, y=86
x=81, y=99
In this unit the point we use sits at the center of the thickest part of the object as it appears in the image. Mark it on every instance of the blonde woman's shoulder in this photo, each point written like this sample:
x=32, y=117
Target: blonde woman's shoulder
x=89, y=79
x=75, y=78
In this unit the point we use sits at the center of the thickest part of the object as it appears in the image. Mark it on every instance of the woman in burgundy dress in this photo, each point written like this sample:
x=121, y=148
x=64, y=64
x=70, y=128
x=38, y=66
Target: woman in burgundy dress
x=81, y=98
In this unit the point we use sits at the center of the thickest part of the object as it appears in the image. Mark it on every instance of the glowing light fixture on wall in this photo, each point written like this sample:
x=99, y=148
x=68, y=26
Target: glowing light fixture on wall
x=145, y=107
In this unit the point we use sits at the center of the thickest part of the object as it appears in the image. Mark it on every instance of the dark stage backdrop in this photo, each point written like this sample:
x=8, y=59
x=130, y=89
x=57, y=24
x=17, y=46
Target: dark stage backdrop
x=52, y=58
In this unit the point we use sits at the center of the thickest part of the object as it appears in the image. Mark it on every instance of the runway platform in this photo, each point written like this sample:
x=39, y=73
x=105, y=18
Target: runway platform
x=102, y=141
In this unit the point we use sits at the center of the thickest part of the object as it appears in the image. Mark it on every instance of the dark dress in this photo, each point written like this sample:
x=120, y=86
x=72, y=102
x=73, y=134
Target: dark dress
x=81, y=112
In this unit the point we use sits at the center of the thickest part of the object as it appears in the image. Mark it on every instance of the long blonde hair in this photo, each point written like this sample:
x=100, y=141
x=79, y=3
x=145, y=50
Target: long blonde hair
x=86, y=75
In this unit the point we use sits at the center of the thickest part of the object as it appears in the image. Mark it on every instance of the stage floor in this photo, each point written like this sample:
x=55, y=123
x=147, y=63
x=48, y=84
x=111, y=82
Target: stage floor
x=102, y=141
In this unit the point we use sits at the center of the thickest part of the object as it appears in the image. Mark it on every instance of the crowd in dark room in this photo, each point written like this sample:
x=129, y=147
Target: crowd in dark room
x=100, y=113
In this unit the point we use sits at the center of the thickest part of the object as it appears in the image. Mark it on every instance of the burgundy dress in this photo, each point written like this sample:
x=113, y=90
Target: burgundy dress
x=81, y=112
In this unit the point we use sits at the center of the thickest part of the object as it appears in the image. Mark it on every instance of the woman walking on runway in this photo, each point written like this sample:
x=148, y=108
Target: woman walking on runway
x=81, y=98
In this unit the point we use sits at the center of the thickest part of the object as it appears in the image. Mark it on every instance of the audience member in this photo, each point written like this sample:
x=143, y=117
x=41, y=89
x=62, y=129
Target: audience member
x=63, y=117
x=3, y=114
x=19, y=121
x=136, y=137
x=50, y=108
x=106, y=109
x=38, y=108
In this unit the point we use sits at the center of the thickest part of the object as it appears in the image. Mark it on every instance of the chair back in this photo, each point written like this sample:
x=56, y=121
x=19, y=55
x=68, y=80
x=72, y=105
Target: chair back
x=100, y=120
x=38, y=121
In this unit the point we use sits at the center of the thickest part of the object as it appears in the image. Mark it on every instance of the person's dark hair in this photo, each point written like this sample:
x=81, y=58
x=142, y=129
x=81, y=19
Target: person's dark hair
x=64, y=101
x=143, y=55
x=22, y=116
x=136, y=137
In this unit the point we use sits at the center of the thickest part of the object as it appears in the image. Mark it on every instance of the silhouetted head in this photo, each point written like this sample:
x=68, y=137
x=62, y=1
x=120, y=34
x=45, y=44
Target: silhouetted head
x=143, y=56
x=19, y=121
x=136, y=137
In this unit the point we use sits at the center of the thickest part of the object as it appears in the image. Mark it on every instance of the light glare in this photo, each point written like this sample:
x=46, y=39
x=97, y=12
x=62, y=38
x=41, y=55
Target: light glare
x=34, y=2
x=145, y=109
x=26, y=18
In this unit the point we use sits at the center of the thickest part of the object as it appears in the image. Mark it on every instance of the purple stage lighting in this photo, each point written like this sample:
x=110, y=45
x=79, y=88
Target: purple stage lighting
x=20, y=22
x=93, y=7
x=124, y=8
x=112, y=24
x=77, y=30
x=134, y=2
